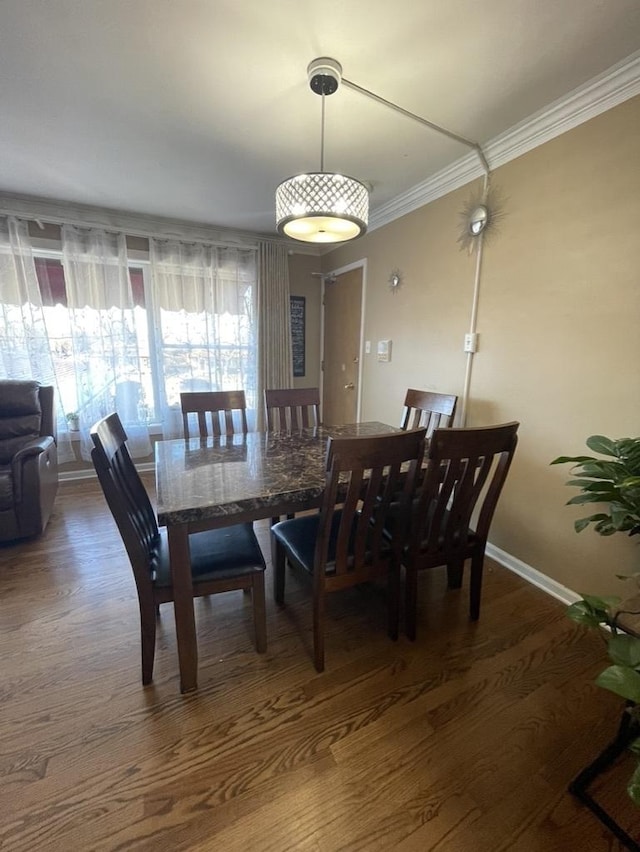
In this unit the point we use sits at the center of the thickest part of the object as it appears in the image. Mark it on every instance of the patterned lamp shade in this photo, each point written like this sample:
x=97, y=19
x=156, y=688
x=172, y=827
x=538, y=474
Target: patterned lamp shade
x=322, y=207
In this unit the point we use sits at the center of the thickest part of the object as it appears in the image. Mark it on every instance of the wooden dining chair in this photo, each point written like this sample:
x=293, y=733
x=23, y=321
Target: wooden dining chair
x=222, y=560
x=220, y=406
x=292, y=409
x=429, y=409
x=346, y=542
x=466, y=471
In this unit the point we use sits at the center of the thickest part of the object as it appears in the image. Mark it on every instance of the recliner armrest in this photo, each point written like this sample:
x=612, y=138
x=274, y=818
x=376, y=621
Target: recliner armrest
x=33, y=447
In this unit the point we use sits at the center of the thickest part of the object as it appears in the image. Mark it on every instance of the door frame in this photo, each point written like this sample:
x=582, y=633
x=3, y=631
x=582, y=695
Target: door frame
x=362, y=263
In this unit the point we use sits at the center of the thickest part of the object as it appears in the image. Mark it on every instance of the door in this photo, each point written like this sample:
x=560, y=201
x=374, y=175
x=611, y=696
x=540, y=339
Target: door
x=341, y=347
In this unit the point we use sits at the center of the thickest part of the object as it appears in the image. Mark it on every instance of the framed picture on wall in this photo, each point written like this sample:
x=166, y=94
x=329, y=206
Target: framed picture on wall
x=298, y=318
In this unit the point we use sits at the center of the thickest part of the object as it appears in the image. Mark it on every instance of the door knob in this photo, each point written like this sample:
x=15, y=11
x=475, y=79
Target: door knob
x=350, y=386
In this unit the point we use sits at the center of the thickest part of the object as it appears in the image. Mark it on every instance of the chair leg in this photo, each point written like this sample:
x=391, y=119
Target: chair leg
x=411, y=602
x=454, y=574
x=318, y=630
x=278, y=560
x=477, y=563
x=393, y=595
x=259, y=612
x=148, y=643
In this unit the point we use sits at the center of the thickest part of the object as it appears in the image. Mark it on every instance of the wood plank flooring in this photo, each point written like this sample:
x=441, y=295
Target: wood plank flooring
x=463, y=740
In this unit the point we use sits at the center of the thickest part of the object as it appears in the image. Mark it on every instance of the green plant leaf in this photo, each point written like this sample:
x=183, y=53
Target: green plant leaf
x=593, y=611
x=579, y=499
x=582, y=523
x=601, y=469
x=582, y=614
x=633, y=787
x=620, y=516
x=605, y=529
x=600, y=444
x=572, y=459
x=624, y=650
x=621, y=680
x=583, y=483
x=600, y=602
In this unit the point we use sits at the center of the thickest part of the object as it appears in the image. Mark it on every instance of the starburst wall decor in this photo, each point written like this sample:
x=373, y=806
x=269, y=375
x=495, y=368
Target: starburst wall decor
x=479, y=217
x=395, y=280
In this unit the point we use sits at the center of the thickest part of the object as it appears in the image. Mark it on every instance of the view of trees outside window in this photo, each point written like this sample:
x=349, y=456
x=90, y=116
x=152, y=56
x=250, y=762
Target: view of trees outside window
x=123, y=360
x=202, y=351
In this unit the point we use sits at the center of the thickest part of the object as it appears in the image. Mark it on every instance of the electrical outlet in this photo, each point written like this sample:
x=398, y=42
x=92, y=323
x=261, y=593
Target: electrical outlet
x=471, y=342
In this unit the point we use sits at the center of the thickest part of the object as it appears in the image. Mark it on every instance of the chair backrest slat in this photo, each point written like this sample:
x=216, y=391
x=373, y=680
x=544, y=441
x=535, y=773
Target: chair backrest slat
x=127, y=499
x=220, y=406
x=429, y=409
x=466, y=472
x=364, y=477
x=291, y=409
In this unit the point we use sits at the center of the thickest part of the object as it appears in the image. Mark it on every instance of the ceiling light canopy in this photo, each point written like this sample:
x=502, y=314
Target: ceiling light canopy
x=322, y=207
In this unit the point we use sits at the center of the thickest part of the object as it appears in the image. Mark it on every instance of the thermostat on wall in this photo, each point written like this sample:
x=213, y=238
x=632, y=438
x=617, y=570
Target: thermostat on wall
x=384, y=350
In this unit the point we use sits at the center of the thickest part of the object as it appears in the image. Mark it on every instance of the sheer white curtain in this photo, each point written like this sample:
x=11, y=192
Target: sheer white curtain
x=25, y=321
x=105, y=332
x=204, y=309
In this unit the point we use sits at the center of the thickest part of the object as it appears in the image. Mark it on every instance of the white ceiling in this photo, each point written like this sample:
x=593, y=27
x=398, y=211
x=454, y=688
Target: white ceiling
x=197, y=109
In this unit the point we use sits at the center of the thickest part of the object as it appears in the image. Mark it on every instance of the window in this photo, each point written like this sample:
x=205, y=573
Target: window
x=202, y=350
x=136, y=360
x=111, y=333
x=101, y=357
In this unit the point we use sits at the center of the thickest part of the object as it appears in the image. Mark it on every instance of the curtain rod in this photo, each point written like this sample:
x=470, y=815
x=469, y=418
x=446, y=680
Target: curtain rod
x=132, y=224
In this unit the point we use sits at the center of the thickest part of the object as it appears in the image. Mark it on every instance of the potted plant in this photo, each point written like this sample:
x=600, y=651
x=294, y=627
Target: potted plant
x=613, y=482
x=73, y=421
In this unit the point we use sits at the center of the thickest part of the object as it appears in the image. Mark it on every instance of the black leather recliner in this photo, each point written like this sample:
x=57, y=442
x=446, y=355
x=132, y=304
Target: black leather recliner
x=28, y=458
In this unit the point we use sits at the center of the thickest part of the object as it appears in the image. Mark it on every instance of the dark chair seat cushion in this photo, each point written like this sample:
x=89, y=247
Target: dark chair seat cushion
x=298, y=536
x=215, y=555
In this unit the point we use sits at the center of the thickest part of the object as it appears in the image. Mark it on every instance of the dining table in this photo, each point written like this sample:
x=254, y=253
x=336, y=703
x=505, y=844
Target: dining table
x=206, y=483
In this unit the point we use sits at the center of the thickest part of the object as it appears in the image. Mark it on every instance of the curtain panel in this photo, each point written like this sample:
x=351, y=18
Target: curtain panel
x=25, y=344
x=106, y=333
x=205, y=307
x=111, y=334
x=275, y=361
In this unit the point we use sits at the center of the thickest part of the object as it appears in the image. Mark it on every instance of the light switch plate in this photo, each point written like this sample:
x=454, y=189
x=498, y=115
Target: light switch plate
x=384, y=350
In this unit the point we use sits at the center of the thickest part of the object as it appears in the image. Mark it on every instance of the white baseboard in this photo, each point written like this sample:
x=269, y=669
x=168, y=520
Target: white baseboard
x=533, y=576
x=89, y=472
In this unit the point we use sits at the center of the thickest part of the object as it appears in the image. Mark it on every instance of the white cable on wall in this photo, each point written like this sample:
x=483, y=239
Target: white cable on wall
x=473, y=322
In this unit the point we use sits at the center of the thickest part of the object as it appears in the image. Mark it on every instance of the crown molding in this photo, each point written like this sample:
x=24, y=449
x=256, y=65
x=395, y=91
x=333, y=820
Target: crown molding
x=600, y=94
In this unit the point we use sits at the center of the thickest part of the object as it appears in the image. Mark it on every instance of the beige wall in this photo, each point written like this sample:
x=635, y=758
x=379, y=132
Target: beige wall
x=559, y=310
x=303, y=283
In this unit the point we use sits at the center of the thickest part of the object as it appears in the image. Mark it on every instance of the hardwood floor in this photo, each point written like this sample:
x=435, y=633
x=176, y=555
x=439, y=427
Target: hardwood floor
x=463, y=740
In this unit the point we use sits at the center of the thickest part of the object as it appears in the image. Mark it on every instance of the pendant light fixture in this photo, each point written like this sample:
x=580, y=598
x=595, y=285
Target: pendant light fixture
x=322, y=207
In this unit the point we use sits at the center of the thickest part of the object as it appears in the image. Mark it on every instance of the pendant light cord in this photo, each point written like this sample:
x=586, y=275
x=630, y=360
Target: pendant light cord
x=438, y=128
x=322, y=137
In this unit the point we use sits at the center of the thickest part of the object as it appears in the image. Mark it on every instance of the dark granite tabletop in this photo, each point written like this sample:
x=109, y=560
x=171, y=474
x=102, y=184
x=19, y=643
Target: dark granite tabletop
x=238, y=477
